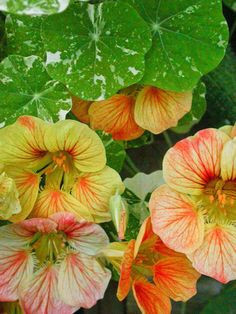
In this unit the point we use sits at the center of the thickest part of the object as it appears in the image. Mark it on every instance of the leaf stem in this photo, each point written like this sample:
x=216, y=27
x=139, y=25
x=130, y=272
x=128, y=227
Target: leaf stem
x=131, y=164
x=183, y=308
x=167, y=139
x=233, y=29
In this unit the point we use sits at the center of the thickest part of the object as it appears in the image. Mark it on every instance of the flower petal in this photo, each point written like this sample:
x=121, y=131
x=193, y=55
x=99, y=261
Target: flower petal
x=194, y=161
x=216, y=257
x=230, y=130
x=80, y=109
x=150, y=298
x=176, y=277
x=86, y=237
x=176, y=220
x=22, y=143
x=39, y=294
x=157, y=110
x=82, y=280
x=228, y=161
x=95, y=189
x=116, y=117
x=81, y=143
x=125, y=272
x=27, y=184
x=16, y=264
x=42, y=225
x=51, y=201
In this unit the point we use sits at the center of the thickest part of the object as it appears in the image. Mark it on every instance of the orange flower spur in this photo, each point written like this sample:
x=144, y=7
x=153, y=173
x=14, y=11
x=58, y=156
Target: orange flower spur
x=195, y=212
x=153, y=272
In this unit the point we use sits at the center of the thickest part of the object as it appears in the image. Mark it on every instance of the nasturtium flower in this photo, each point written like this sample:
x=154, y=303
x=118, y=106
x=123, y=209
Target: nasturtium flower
x=153, y=272
x=58, y=167
x=195, y=212
x=80, y=109
x=50, y=264
x=126, y=115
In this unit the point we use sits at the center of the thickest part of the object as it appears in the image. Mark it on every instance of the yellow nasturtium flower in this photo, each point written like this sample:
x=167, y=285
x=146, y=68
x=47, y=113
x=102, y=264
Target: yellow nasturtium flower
x=67, y=160
x=195, y=212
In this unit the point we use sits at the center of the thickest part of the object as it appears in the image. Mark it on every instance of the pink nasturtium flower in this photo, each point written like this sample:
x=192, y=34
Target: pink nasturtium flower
x=58, y=167
x=126, y=115
x=50, y=264
x=195, y=213
x=154, y=272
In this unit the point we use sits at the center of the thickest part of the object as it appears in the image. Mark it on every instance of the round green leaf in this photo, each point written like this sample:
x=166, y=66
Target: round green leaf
x=27, y=89
x=23, y=35
x=33, y=7
x=96, y=49
x=189, y=40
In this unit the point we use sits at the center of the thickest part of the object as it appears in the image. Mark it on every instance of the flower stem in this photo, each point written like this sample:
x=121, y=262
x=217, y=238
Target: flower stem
x=131, y=164
x=167, y=139
x=183, y=308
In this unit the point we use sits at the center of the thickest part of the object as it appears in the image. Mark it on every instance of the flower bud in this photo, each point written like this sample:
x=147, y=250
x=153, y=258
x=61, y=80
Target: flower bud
x=119, y=214
x=9, y=197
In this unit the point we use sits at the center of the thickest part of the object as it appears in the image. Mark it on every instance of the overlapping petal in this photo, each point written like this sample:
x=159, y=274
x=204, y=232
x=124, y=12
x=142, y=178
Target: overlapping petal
x=95, y=189
x=82, y=145
x=216, y=257
x=39, y=293
x=116, y=117
x=176, y=220
x=150, y=299
x=87, y=238
x=80, y=109
x=228, y=161
x=22, y=143
x=157, y=110
x=82, y=280
x=16, y=265
x=176, y=277
x=51, y=201
x=194, y=161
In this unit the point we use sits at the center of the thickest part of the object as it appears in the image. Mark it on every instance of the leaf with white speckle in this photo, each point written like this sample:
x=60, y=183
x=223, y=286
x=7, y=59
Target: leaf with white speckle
x=96, y=49
x=23, y=35
x=189, y=40
x=27, y=89
x=34, y=7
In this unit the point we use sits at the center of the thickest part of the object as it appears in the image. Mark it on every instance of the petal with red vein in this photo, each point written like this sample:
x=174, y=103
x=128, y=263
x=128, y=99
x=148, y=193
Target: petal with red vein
x=80, y=109
x=194, y=161
x=86, y=237
x=116, y=117
x=51, y=201
x=95, y=189
x=157, y=110
x=16, y=264
x=82, y=280
x=82, y=144
x=125, y=272
x=42, y=225
x=176, y=220
x=150, y=299
x=176, y=277
x=39, y=294
x=27, y=184
x=228, y=161
x=216, y=257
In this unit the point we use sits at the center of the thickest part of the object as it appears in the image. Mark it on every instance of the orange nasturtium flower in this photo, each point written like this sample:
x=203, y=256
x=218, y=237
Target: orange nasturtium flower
x=50, y=264
x=126, y=115
x=154, y=272
x=66, y=160
x=195, y=213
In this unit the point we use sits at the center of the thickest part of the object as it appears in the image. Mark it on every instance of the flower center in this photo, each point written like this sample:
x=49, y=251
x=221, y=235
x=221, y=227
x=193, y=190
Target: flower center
x=63, y=160
x=220, y=199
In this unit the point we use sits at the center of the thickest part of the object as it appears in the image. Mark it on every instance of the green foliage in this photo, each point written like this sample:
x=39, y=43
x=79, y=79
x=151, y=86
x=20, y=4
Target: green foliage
x=198, y=109
x=221, y=92
x=224, y=303
x=96, y=45
x=145, y=139
x=189, y=40
x=115, y=151
x=33, y=7
x=23, y=35
x=26, y=89
x=231, y=4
